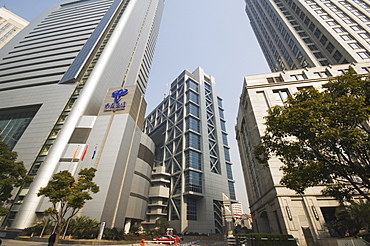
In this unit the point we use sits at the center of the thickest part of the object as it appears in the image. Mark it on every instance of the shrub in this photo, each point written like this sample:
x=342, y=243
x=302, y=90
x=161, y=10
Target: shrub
x=113, y=234
x=37, y=228
x=262, y=239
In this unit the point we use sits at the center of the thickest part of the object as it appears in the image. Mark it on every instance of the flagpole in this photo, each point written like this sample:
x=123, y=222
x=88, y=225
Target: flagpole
x=93, y=156
x=73, y=157
x=81, y=159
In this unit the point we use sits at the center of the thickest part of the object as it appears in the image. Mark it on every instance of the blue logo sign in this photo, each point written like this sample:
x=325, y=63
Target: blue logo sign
x=116, y=105
x=118, y=94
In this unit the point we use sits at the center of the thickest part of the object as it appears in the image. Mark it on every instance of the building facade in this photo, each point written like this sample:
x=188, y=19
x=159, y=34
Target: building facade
x=274, y=208
x=10, y=25
x=311, y=33
x=71, y=91
x=192, y=168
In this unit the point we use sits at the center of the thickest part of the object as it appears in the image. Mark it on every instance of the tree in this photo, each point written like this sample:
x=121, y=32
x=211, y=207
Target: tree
x=350, y=219
x=68, y=196
x=161, y=225
x=12, y=174
x=322, y=138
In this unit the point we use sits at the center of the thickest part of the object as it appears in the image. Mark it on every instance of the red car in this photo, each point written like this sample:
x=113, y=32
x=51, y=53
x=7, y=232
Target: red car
x=166, y=239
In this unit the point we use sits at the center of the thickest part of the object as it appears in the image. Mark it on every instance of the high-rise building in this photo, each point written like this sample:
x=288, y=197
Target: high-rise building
x=10, y=25
x=192, y=167
x=274, y=208
x=71, y=93
x=311, y=33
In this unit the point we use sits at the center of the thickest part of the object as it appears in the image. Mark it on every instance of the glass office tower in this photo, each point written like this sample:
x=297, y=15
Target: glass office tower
x=59, y=82
x=311, y=33
x=192, y=166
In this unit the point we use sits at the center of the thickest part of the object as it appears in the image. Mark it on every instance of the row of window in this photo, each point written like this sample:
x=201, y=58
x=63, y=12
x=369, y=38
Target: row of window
x=348, y=20
x=11, y=32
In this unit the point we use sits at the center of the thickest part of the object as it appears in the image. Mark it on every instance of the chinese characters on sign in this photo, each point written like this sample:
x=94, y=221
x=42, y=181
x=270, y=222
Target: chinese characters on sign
x=116, y=105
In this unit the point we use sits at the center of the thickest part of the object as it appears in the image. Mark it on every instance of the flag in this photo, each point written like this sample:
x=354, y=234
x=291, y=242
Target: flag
x=75, y=153
x=84, y=153
x=94, y=153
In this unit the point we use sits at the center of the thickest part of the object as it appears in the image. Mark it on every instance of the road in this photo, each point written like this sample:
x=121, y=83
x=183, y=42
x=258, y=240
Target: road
x=11, y=242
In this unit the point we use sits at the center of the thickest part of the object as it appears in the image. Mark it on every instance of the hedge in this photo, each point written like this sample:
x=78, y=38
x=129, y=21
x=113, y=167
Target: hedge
x=262, y=239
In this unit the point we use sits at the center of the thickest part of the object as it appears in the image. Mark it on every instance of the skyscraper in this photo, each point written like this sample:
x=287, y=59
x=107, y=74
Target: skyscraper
x=275, y=208
x=10, y=25
x=311, y=33
x=71, y=92
x=192, y=166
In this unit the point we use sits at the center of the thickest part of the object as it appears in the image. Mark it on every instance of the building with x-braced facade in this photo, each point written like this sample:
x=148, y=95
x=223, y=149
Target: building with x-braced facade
x=192, y=166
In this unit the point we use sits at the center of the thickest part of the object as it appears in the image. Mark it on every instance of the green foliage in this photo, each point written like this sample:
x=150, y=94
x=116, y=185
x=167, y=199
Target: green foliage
x=161, y=225
x=262, y=239
x=12, y=174
x=44, y=224
x=322, y=136
x=113, y=234
x=67, y=195
x=135, y=229
x=83, y=227
x=350, y=219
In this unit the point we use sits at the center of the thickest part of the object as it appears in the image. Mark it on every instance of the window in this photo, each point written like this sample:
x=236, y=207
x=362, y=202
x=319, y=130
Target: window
x=192, y=96
x=192, y=109
x=312, y=27
x=323, y=40
x=193, y=124
x=229, y=171
x=307, y=40
x=312, y=47
x=338, y=29
x=191, y=208
x=193, y=159
x=192, y=85
x=364, y=35
x=13, y=123
x=332, y=23
x=356, y=28
x=224, y=139
x=348, y=21
x=223, y=125
x=281, y=95
x=318, y=55
x=324, y=63
x=221, y=111
x=346, y=37
x=337, y=56
x=355, y=46
x=219, y=101
x=192, y=140
x=227, y=154
x=325, y=17
x=231, y=190
x=330, y=47
x=193, y=181
x=297, y=77
x=364, y=55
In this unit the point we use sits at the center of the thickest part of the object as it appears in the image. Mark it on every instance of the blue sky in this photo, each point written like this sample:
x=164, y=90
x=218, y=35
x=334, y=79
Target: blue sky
x=212, y=34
